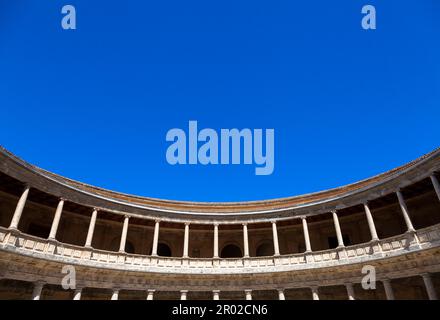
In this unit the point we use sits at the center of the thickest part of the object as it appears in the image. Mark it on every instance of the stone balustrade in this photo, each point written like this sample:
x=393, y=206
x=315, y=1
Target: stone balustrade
x=15, y=241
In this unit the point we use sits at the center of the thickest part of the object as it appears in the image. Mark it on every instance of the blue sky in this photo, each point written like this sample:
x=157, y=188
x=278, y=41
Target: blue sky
x=95, y=104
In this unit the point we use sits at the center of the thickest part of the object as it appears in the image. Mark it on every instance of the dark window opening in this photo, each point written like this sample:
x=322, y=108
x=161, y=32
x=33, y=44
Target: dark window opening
x=231, y=251
x=333, y=241
x=38, y=230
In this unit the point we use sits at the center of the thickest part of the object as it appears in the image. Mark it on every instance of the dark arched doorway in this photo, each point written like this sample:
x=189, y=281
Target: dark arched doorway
x=129, y=247
x=265, y=249
x=231, y=251
x=163, y=250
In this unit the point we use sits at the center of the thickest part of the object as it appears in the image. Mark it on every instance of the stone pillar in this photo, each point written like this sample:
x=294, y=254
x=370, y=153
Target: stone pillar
x=150, y=294
x=306, y=235
x=245, y=241
x=315, y=294
x=216, y=294
x=281, y=294
x=404, y=210
x=436, y=185
x=77, y=294
x=388, y=289
x=276, y=247
x=429, y=286
x=56, y=220
x=19, y=209
x=215, y=241
x=186, y=241
x=248, y=294
x=38, y=287
x=115, y=294
x=155, y=238
x=183, y=294
x=91, y=229
x=338, y=229
x=124, y=234
x=350, y=291
x=371, y=225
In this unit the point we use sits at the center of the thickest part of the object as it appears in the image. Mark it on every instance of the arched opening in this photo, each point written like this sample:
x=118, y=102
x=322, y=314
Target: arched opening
x=231, y=251
x=129, y=247
x=265, y=249
x=163, y=250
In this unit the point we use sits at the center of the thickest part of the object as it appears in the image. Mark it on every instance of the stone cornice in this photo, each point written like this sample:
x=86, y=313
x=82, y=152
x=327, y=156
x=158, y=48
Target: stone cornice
x=226, y=213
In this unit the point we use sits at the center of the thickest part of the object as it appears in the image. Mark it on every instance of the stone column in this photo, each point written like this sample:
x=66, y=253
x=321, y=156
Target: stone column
x=281, y=294
x=38, y=287
x=429, y=286
x=91, y=229
x=56, y=220
x=276, y=247
x=404, y=210
x=19, y=209
x=183, y=294
x=338, y=229
x=150, y=294
x=371, y=225
x=124, y=234
x=215, y=241
x=77, y=294
x=155, y=238
x=350, y=291
x=115, y=294
x=186, y=241
x=245, y=241
x=436, y=185
x=315, y=294
x=248, y=294
x=388, y=289
x=216, y=294
x=306, y=235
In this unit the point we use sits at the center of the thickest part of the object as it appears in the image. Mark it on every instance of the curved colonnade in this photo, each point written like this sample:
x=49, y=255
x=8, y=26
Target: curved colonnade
x=313, y=246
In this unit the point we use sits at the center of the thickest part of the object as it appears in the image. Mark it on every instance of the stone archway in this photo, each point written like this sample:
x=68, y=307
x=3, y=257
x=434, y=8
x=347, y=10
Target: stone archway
x=231, y=251
x=265, y=249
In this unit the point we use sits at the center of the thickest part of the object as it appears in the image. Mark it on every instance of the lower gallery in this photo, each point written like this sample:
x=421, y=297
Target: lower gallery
x=312, y=246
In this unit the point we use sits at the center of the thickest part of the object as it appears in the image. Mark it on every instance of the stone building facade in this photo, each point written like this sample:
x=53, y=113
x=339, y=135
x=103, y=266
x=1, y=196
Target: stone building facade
x=314, y=246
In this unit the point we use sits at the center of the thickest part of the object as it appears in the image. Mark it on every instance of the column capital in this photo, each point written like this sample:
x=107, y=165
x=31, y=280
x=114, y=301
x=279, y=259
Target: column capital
x=39, y=283
x=248, y=290
x=334, y=211
x=187, y=224
x=157, y=220
x=216, y=224
x=215, y=291
x=95, y=209
x=273, y=221
x=127, y=216
x=244, y=224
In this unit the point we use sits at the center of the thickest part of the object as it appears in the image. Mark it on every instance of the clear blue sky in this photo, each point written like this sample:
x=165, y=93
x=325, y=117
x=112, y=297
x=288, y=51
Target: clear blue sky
x=95, y=104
